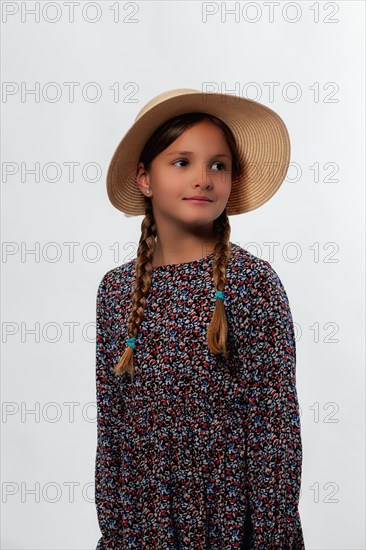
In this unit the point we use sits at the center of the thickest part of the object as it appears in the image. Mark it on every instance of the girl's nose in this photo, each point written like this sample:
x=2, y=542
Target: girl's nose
x=203, y=174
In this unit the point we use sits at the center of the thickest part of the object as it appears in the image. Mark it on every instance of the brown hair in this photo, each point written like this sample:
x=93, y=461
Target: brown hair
x=161, y=138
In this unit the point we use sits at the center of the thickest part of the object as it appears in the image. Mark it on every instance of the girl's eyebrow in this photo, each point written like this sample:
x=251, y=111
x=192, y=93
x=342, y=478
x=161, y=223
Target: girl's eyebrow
x=191, y=153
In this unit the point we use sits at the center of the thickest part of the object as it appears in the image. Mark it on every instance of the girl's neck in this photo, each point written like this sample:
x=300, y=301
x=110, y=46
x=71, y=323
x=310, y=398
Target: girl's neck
x=183, y=254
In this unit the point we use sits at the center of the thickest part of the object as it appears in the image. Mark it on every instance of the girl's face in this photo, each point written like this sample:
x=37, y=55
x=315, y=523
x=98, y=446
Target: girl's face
x=197, y=163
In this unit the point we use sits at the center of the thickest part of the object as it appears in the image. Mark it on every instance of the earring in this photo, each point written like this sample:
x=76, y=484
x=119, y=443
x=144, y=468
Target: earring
x=147, y=190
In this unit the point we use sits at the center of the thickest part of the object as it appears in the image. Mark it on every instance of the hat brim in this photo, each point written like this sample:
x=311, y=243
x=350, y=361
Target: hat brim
x=261, y=135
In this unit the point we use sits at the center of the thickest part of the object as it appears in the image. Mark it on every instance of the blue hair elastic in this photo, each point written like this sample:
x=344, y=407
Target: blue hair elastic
x=130, y=342
x=219, y=294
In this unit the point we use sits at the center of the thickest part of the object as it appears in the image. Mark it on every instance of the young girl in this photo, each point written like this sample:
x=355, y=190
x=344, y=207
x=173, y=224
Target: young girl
x=199, y=441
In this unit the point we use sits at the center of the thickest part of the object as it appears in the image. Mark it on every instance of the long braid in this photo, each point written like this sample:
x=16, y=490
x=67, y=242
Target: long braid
x=145, y=253
x=217, y=329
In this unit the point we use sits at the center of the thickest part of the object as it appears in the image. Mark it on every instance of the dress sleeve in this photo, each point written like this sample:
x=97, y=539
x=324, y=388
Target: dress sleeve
x=109, y=418
x=274, y=448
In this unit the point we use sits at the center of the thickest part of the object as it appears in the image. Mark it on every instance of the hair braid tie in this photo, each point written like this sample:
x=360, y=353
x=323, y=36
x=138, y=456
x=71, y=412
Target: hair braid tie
x=131, y=342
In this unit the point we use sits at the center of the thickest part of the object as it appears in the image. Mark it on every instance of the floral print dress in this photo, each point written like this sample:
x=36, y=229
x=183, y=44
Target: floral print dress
x=198, y=452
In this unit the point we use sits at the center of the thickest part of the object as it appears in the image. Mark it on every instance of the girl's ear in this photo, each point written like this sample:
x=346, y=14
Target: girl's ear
x=142, y=177
x=140, y=169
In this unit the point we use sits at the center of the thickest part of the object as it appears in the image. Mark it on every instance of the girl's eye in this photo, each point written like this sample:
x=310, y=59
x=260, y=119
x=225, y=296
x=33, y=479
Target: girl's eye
x=220, y=163
x=180, y=160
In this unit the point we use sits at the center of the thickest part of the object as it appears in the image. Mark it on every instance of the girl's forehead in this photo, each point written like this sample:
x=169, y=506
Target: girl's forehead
x=201, y=135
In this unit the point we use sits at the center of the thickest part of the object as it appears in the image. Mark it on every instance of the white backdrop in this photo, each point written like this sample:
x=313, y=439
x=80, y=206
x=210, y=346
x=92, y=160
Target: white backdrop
x=74, y=76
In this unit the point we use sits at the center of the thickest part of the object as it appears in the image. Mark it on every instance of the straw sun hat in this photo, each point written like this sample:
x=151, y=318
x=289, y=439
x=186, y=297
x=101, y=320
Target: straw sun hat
x=260, y=133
